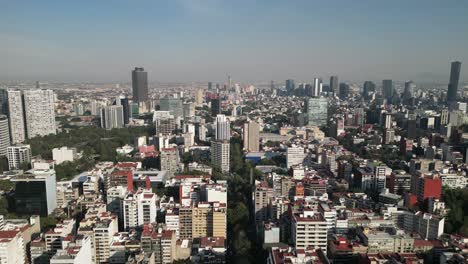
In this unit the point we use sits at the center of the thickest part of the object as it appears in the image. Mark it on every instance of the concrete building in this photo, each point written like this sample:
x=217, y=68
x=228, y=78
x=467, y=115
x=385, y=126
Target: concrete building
x=63, y=154
x=262, y=196
x=173, y=105
x=103, y=232
x=294, y=156
x=4, y=135
x=161, y=242
x=220, y=155
x=112, y=116
x=309, y=229
x=140, y=85
x=169, y=161
x=317, y=111
x=54, y=237
x=251, y=136
x=139, y=208
x=76, y=252
x=223, y=128
x=17, y=155
x=16, y=116
x=39, y=108
x=12, y=248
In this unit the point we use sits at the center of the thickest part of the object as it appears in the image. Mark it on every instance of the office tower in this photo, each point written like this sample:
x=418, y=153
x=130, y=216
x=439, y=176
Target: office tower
x=112, y=117
x=140, y=85
x=334, y=84
x=453, y=84
x=369, y=87
x=309, y=229
x=389, y=136
x=317, y=111
x=344, y=91
x=17, y=155
x=199, y=97
x=16, y=116
x=409, y=90
x=39, y=107
x=290, y=86
x=251, y=136
x=428, y=187
x=317, y=87
x=173, y=105
x=210, y=86
x=169, y=161
x=400, y=182
x=3, y=102
x=4, y=135
x=215, y=106
x=124, y=102
x=35, y=192
x=229, y=82
x=188, y=110
x=220, y=155
x=272, y=86
x=223, y=128
x=387, y=89
x=359, y=116
x=294, y=156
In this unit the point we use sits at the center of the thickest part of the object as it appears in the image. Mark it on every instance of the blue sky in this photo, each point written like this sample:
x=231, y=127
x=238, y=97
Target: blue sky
x=201, y=40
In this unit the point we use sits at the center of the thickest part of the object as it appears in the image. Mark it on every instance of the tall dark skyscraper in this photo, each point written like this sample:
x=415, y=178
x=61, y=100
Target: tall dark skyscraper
x=334, y=84
x=215, y=106
x=290, y=86
x=453, y=84
x=368, y=88
x=387, y=89
x=140, y=85
x=210, y=86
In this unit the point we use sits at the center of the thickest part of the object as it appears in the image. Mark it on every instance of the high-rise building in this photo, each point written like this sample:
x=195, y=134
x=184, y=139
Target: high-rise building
x=140, y=85
x=428, y=187
x=317, y=111
x=18, y=154
x=453, y=84
x=173, y=105
x=199, y=97
x=16, y=116
x=35, y=192
x=251, y=136
x=290, y=86
x=210, y=86
x=220, y=155
x=162, y=244
x=369, y=87
x=12, y=247
x=262, y=195
x=164, y=123
x=4, y=135
x=139, y=208
x=223, y=128
x=317, y=87
x=170, y=161
x=334, y=84
x=188, y=110
x=409, y=90
x=124, y=102
x=3, y=102
x=215, y=106
x=344, y=91
x=39, y=107
x=387, y=89
x=112, y=116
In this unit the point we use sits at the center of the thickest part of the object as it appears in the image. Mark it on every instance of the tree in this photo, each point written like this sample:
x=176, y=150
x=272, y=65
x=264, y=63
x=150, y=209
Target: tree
x=25, y=166
x=47, y=222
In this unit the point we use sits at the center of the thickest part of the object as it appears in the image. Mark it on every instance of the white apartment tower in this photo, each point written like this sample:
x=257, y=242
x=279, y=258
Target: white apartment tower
x=16, y=116
x=223, y=128
x=17, y=155
x=4, y=135
x=39, y=107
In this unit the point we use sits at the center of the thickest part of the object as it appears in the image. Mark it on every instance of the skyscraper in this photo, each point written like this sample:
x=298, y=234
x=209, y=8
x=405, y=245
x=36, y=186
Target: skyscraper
x=39, y=107
x=3, y=102
x=317, y=87
x=220, y=155
x=409, y=90
x=215, y=106
x=251, y=136
x=317, y=111
x=140, y=85
x=290, y=86
x=453, y=84
x=210, y=86
x=387, y=89
x=368, y=88
x=16, y=116
x=334, y=84
x=4, y=135
x=223, y=128
x=344, y=91
x=112, y=117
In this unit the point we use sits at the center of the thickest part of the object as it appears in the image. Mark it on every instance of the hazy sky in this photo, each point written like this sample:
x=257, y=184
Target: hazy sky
x=201, y=40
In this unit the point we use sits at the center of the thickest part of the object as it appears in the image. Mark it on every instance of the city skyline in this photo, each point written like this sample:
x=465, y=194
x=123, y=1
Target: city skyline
x=206, y=40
